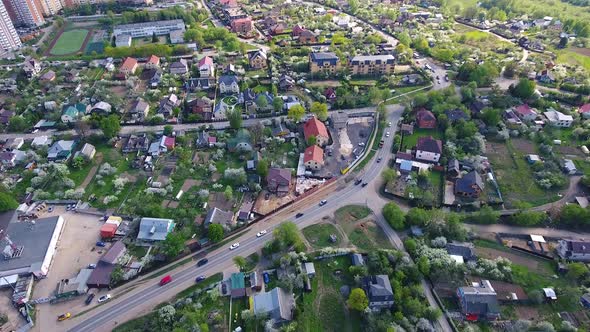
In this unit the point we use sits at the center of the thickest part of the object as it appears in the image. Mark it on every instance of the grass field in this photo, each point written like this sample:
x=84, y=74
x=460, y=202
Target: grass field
x=319, y=235
x=350, y=213
x=409, y=141
x=69, y=42
x=574, y=57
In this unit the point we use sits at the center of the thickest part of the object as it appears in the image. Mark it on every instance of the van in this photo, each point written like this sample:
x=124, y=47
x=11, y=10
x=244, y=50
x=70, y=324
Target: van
x=167, y=279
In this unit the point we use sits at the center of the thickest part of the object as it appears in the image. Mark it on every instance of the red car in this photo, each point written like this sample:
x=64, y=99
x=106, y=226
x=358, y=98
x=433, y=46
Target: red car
x=167, y=279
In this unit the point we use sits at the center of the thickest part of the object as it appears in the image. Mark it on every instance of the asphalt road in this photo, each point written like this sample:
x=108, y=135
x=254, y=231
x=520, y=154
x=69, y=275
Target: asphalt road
x=345, y=194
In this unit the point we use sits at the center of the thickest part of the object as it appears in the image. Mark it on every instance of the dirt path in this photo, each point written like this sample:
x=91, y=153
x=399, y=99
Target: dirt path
x=92, y=172
x=345, y=242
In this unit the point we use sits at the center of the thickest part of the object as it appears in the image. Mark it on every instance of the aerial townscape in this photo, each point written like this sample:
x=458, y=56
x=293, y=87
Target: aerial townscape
x=295, y=165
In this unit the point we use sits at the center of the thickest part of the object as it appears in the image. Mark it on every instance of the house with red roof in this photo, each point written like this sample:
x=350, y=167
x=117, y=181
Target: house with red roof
x=241, y=25
x=584, y=111
x=307, y=37
x=167, y=143
x=313, y=158
x=129, y=66
x=330, y=94
x=316, y=128
x=425, y=119
x=206, y=67
x=428, y=149
x=297, y=30
x=153, y=62
x=526, y=113
x=228, y=3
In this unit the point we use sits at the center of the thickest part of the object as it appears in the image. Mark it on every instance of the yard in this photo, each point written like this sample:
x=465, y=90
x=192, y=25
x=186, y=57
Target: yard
x=575, y=56
x=409, y=141
x=361, y=232
x=70, y=41
x=318, y=235
x=515, y=176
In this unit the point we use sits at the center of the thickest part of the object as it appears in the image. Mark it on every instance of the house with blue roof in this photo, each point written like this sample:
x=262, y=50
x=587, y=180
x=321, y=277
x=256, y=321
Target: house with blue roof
x=154, y=229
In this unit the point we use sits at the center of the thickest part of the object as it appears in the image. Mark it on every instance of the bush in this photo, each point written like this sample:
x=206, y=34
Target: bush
x=394, y=216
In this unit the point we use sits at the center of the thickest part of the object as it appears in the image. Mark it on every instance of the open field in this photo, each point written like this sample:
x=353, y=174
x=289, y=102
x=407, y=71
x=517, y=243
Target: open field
x=70, y=41
x=319, y=235
x=575, y=56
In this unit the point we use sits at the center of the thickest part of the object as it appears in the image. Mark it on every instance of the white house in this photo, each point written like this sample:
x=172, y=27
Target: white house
x=574, y=250
x=428, y=149
x=558, y=119
x=40, y=141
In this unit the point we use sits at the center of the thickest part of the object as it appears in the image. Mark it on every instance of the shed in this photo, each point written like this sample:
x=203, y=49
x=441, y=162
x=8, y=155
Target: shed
x=309, y=269
x=537, y=238
x=549, y=294
x=108, y=231
x=357, y=260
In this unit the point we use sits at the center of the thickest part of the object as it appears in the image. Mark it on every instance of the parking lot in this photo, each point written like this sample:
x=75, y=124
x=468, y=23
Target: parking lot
x=76, y=249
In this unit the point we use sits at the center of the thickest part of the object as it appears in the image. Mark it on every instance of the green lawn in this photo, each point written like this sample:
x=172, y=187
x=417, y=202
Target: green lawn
x=409, y=141
x=571, y=57
x=368, y=238
x=69, y=42
x=351, y=213
x=319, y=235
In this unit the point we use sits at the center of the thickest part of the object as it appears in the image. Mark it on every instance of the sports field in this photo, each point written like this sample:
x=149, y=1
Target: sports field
x=70, y=41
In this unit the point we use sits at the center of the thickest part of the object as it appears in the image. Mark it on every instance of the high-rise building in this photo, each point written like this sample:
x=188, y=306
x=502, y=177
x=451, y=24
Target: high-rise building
x=25, y=12
x=50, y=7
x=9, y=39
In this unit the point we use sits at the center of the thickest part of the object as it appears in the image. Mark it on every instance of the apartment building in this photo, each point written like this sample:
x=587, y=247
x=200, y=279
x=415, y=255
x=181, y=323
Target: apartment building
x=9, y=39
x=25, y=12
x=370, y=65
x=323, y=62
x=50, y=7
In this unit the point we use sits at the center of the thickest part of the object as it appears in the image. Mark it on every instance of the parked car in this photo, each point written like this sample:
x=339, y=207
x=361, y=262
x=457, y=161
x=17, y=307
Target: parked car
x=266, y=277
x=101, y=244
x=379, y=159
x=299, y=215
x=89, y=299
x=261, y=233
x=234, y=246
x=323, y=202
x=200, y=278
x=65, y=316
x=104, y=298
x=92, y=266
x=166, y=280
x=357, y=181
x=365, y=184
x=50, y=209
x=202, y=262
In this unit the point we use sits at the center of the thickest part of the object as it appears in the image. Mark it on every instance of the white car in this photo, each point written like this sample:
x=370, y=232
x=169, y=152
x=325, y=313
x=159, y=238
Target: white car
x=234, y=246
x=387, y=134
x=389, y=124
x=104, y=298
x=261, y=233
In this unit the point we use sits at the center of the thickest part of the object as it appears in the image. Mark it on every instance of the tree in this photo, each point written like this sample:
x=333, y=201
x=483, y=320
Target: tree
x=117, y=275
x=240, y=262
x=358, y=300
x=17, y=124
x=110, y=126
x=510, y=69
x=215, y=232
x=168, y=130
x=82, y=128
x=261, y=101
x=235, y=118
x=574, y=215
x=320, y=110
x=404, y=38
x=394, y=216
x=417, y=216
x=154, y=38
x=173, y=245
x=528, y=218
x=262, y=168
x=78, y=162
x=256, y=132
x=7, y=202
x=491, y=116
x=485, y=215
x=388, y=175
x=296, y=112
x=287, y=234
x=228, y=193
x=277, y=104
x=577, y=270
x=524, y=89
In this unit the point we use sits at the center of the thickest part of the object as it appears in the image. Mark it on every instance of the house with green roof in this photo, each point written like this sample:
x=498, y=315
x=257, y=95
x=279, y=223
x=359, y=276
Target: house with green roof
x=71, y=113
x=237, y=283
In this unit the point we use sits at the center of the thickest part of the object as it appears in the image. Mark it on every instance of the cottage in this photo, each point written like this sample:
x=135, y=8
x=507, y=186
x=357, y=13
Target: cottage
x=456, y=115
x=41, y=141
x=379, y=292
x=464, y=250
x=330, y=94
x=257, y=59
x=202, y=106
x=154, y=229
x=315, y=128
x=101, y=107
x=129, y=66
x=569, y=167
x=297, y=30
x=558, y=119
x=357, y=260
x=71, y=113
x=228, y=84
x=153, y=62
x=220, y=217
x=242, y=25
x=49, y=76
x=206, y=67
x=139, y=110
x=428, y=149
x=313, y=158
x=526, y=113
x=60, y=150
x=307, y=37
x=179, y=67
x=453, y=169
x=479, y=301
x=168, y=104
x=277, y=304
x=88, y=151
x=31, y=67
x=425, y=119
x=237, y=285
x=573, y=250
x=469, y=186
x=286, y=82
x=279, y=181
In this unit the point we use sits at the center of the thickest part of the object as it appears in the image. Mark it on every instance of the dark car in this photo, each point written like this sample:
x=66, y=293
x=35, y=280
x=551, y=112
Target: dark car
x=202, y=262
x=364, y=184
x=357, y=181
x=100, y=244
x=200, y=278
x=89, y=299
x=299, y=215
x=266, y=277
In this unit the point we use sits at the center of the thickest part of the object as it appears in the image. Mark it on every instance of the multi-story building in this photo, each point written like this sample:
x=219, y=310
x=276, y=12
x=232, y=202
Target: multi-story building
x=370, y=65
x=147, y=29
x=323, y=62
x=9, y=39
x=50, y=7
x=25, y=12
x=242, y=25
